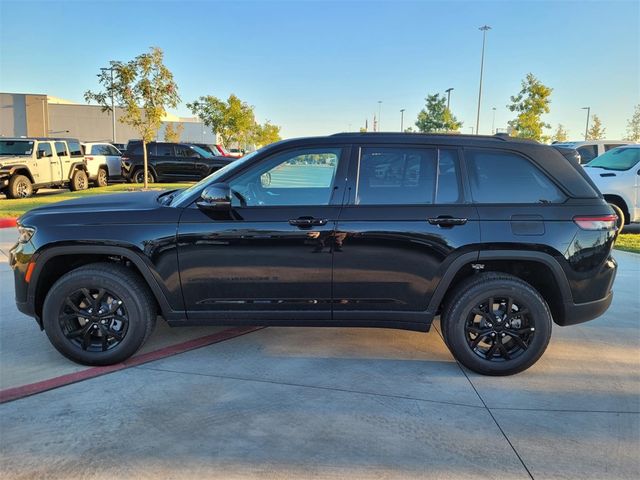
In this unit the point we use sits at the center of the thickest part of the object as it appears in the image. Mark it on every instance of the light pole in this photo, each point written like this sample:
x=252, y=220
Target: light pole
x=448, y=92
x=471, y=130
x=586, y=129
x=402, y=119
x=493, y=122
x=379, y=114
x=113, y=109
x=484, y=29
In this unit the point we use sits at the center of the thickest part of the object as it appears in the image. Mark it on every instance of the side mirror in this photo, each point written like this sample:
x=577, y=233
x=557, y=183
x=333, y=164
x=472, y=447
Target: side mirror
x=39, y=153
x=215, y=197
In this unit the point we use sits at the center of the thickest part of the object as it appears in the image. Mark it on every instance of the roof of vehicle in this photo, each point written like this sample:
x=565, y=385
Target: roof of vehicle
x=503, y=137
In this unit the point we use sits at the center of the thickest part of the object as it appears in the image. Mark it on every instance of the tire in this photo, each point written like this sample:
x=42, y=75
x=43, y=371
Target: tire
x=19, y=187
x=138, y=176
x=100, y=339
x=79, y=181
x=102, y=179
x=462, y=327
x=620, y=222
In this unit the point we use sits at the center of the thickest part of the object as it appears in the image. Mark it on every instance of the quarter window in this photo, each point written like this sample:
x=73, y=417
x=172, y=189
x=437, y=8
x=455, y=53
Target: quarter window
x=298, y=177
x=504, y=177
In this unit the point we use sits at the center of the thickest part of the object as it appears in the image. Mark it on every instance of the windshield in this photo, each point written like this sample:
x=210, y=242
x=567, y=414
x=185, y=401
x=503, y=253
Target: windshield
x=203, y=153
x=618, y=159
x=211, y=179
x=16, y=147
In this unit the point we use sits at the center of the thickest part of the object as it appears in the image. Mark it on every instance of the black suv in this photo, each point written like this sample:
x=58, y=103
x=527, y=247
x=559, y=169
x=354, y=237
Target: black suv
x=170, y=162
x=499, y=237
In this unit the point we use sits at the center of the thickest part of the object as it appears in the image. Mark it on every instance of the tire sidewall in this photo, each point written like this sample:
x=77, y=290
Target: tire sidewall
x=137, y=328
x=102, y=180
x=539, y=315
x=79, y=181
x=12, y=188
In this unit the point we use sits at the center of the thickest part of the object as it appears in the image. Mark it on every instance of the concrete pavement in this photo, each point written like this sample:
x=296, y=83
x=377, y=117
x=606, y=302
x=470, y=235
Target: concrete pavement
x=339, y=403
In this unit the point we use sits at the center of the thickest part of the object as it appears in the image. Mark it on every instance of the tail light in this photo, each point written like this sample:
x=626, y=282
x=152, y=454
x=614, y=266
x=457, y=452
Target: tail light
x=599, y=222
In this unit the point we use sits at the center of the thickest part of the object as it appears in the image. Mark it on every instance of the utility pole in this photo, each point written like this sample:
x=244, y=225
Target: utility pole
x=586, y=129
x=484, y=29
x=493, y=122
x=448, y=92
x=113, y=108
x=379, y=115
x=402, y=119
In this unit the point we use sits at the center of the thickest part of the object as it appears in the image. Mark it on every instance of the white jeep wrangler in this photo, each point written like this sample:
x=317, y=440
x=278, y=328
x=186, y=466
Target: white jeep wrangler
x=27, y=164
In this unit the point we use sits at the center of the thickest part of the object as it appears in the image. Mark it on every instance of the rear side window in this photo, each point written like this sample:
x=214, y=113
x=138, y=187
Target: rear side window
x=587, y=153
x=505, y=177
x=61, y=149
x=75, y=150
x=163, y=150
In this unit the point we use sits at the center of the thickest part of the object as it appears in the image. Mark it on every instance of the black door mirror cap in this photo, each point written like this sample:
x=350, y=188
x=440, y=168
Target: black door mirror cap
x=215, y=197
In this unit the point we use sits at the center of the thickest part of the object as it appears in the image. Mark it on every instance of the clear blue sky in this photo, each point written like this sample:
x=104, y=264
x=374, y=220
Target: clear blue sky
x=321, y=67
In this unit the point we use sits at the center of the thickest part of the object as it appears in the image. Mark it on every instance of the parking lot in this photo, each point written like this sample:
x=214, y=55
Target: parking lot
x=327, y=403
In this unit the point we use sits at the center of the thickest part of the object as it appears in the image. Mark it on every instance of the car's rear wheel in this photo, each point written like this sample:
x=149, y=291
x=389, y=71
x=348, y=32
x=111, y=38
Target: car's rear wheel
x=19, y=187
x=620, y=214
x=138, y=176
x=79, y=181
x=99, y=314
x=496, y=324
x=103, y=178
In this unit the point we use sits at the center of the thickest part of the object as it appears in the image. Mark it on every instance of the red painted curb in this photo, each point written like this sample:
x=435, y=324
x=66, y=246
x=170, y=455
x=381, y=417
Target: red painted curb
x=22, y=391
x=8, y=222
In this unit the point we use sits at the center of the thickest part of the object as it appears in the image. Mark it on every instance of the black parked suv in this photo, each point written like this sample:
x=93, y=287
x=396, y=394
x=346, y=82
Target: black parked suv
x=169, y=162
x=499, y=237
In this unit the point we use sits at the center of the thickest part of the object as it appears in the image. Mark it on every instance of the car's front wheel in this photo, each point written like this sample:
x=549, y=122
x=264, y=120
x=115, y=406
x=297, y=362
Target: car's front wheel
x=496, y=324
x=138, y=176
x=99, y=314
x=19, y=187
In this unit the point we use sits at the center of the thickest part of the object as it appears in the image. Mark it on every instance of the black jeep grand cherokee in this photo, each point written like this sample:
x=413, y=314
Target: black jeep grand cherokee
x=499, y=237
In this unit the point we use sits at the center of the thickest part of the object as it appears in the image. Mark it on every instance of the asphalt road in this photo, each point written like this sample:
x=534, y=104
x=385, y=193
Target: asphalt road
x=332, y=403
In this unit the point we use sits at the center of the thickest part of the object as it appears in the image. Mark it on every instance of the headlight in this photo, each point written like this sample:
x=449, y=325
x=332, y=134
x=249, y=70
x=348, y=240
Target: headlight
x=25, y=233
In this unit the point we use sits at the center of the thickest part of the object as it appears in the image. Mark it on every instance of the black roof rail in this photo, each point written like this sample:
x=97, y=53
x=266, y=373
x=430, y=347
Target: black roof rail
x=505, y=137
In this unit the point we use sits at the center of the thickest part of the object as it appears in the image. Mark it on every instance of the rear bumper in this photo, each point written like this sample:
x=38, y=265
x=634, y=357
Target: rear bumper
x=583, y=312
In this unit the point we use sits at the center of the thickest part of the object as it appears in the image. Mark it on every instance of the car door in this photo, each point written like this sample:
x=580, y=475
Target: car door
x=46, y=162
x=272, y=256
x=61, y=166
x=405, y=222
x=113, y=157
x=184, y=167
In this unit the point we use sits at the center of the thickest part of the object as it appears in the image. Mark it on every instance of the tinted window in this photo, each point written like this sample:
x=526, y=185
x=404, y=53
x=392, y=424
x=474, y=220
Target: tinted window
x=298, y=177
x=164, y=150
x=448, y=187
x=396, y=175
x=45, y=150
x=587, y=153
x=98, y=150
x=112, y=150
x=185, y=151
x=75, y=149
x=504, y=177
x=61, y=149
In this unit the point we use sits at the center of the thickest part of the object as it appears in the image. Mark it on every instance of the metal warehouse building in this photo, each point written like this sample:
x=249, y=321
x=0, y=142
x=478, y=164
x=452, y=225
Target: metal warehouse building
x=40, y=115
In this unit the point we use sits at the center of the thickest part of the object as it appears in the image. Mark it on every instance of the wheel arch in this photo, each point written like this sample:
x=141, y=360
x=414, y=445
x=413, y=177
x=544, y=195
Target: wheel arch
x=620, y=202
x=540, y=270
x=20, y=170
x=56, y=261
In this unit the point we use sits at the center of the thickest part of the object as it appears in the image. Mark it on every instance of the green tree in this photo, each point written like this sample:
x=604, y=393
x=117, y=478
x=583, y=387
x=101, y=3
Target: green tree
x=233, y=120
x=266, y=133
x=145, y=88
x=436, y=117
x=173, y=133
x=633, y=126
x=596, y=131
x=560, y=134
x=530, y=104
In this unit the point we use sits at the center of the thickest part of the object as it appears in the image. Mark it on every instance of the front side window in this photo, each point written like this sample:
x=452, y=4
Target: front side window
x=185, y=151
x=396, y=175
x=296, y=177
x=587, y=153
x=45, y=150
x=505, y=177
x=622, y=158
x=61, y=149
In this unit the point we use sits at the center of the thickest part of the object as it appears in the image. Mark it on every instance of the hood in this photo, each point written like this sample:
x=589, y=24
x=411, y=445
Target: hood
x=113, y=205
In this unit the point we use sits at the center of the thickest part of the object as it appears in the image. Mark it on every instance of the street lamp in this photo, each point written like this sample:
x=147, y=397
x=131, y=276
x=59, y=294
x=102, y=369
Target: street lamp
x=586, y=129
x=402, y=119
x=493, y=122
x=113, y=109
x=484, y=29
x=379, y=114
x=448, y=92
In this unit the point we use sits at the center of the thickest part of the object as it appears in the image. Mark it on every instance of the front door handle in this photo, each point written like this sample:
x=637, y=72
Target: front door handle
x=307, y=222
x=446, y=221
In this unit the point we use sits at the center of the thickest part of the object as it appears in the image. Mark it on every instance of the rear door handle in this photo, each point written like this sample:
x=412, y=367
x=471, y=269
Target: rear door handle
x=446, y=221
x=307, y=222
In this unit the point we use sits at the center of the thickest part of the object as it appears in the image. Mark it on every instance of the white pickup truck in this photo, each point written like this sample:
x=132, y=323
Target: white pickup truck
x=27, y=164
